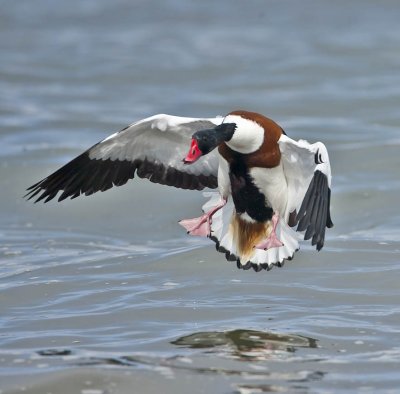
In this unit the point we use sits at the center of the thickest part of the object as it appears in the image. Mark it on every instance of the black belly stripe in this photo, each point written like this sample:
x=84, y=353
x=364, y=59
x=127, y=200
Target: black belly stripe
x=246, y=195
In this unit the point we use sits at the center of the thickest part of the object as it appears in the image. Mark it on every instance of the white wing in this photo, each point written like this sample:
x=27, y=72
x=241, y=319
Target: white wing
x=152, y=148
x=308, y=174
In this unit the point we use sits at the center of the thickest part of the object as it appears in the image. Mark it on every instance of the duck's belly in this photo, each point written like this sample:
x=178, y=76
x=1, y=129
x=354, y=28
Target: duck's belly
x=250, y=202
x=271, y=182
x=249, y=199
x=257, y=192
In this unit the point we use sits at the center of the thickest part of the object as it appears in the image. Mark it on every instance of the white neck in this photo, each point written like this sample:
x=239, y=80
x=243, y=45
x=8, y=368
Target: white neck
x=248, y=136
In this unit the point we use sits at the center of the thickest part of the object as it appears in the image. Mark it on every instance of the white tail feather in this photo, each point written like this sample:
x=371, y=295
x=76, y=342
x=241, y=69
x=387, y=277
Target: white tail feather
x=222, y=233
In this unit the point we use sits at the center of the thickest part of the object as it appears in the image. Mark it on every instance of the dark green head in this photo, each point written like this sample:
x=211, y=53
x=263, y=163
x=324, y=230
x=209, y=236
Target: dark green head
x=204, y=141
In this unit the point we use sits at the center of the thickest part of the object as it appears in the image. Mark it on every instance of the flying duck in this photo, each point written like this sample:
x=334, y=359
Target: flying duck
x=270, y=187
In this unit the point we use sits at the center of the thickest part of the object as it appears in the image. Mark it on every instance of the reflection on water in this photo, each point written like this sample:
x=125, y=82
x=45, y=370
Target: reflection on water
x=241, y=345
x=215, y=354
x=245, y=344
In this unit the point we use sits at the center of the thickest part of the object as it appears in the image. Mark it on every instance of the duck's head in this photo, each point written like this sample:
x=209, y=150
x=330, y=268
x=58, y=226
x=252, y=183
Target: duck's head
x=204, y=141
x=243, y=132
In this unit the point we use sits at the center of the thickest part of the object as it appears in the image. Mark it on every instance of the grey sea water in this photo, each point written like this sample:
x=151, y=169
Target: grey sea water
x=106, y=294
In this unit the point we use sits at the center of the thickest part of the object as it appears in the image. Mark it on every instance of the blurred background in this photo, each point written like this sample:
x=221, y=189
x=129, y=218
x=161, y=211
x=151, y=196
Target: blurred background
x=106, y=294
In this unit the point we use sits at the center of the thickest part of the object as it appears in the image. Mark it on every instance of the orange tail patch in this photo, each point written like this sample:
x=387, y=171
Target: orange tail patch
x=247, y=235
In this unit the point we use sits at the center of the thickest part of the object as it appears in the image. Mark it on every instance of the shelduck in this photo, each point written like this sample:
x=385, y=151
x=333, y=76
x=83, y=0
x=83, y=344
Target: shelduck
x=270, y=187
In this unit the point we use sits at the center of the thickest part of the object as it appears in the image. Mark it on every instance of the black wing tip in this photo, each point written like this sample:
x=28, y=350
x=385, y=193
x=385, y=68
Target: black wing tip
x=82, y=175
x=87, y=176
x=329, y=222
x=314, y=214
x=38, y=192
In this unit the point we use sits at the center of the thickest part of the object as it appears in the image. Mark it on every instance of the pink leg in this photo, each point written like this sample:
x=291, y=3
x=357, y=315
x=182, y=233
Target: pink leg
x=272, y=241
x=202, y=225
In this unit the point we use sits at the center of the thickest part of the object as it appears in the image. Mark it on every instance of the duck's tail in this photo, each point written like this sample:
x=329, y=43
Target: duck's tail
x=237, y=237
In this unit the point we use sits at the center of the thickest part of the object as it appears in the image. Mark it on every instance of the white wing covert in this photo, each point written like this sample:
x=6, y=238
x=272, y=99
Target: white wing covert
x=308, y=174
x=152, y=148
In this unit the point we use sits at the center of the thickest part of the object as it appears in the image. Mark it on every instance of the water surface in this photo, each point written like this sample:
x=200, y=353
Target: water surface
x=106, y=294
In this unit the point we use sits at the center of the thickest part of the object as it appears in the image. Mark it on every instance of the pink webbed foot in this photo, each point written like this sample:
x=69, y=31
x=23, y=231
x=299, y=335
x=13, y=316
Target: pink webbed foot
x=201, y=226
x=272, y=241
x=197, y=226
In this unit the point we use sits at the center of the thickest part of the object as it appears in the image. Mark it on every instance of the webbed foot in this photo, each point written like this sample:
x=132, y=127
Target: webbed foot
x=201, y=226
x=272, y=240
